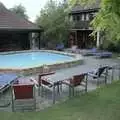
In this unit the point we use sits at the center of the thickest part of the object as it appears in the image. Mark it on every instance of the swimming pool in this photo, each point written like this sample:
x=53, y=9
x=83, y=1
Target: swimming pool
x=26, y=60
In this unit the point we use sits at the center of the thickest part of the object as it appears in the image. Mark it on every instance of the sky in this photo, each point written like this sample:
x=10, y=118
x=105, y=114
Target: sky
x=33, y=7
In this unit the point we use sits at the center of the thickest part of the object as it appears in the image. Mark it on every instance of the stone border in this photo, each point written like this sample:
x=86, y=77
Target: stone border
x=78, y=59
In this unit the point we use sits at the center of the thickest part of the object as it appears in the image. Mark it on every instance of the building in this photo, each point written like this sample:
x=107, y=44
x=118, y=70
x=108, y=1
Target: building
x=16, y=33
x=81, y=17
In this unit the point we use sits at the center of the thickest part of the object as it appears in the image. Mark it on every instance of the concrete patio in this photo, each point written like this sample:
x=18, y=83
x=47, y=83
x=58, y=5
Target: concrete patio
x=90, y=63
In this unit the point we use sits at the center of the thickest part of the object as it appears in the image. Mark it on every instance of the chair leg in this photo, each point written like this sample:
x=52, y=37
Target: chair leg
x=86, y=83
x=112, y=77
x=98, y=81
x=58, y=89
x=53, y=95
x=73, y=92
x=34, y=98
x=39, y=90
x=61, y=87
x=106, y=76
x=69, y=91
x=12, y=100
x=13, y=107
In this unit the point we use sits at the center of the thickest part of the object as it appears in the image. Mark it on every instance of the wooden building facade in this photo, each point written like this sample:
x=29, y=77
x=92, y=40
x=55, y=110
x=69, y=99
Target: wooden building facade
x=81, y=16
x=16, y=33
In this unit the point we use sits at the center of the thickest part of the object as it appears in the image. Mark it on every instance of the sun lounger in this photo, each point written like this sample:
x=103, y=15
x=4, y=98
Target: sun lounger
x=5, y=82
x=89, y=52
x=103, y=55
x=98, y=74
x=60, y=47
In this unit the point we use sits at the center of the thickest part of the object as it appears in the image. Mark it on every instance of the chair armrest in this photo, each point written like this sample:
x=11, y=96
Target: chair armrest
x=34, y=81
x=67, y=81
x=46, y=83
x=45, y=74
x=92, y=75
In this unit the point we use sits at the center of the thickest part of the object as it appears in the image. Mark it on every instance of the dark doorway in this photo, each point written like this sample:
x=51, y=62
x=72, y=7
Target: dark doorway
x=14, y=41
x=84, y=40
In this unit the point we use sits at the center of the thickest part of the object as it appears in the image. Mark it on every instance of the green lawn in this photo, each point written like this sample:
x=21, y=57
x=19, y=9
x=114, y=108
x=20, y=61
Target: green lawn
x=102, y=104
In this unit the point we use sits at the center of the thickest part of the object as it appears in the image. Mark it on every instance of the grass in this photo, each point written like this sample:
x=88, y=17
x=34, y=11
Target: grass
x=101, y=104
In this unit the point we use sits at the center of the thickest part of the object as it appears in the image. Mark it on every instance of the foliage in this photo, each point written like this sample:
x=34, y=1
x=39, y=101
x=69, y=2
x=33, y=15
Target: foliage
x=83, y=2
x=54, y=20
x=107, y=19
x=20, y=10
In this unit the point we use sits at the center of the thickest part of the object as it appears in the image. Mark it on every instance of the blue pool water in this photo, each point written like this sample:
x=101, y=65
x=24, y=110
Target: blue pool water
x=31, y=59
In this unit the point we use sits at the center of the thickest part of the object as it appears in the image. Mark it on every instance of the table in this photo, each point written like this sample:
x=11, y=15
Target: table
x=24, y=80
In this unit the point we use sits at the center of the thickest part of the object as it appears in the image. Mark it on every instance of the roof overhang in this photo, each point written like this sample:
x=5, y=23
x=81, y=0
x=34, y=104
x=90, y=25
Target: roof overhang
x=81, y=29
x=84, y=11
x=20, y=30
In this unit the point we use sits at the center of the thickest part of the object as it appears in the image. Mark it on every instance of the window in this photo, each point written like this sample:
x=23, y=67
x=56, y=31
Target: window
x=83, y=17
x=78, y=18
x=71, y=18
x=87, y=17
x=91, y=16
x=74, y=18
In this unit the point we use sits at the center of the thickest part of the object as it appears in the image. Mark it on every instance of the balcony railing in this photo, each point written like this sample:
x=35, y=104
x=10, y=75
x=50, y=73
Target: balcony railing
x=81, y=25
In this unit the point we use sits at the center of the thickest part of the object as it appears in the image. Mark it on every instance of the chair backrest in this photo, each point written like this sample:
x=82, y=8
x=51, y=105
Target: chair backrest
x=23, y=91
x=94, y=49
x=100, y=71
x=60, y=46
x=77, y=79
x=42, y=75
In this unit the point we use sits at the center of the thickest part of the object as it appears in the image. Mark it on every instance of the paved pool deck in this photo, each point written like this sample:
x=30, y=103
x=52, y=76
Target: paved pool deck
x=46, y=101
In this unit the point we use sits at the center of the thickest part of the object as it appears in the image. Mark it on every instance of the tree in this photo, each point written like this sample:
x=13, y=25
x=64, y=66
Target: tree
x=54, y=20
x=19, y=10
x=107, y=19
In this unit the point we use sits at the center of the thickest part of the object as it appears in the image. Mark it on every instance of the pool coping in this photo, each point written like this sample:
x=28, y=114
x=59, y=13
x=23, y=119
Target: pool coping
x=78, y=59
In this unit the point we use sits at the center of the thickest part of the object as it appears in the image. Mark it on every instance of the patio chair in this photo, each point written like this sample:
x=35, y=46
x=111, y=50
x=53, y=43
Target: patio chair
x=100, y=73
x=43, y=81
x=89, y=52
x=103, y=54
x=77, y=80
x=46, y=82
x=23, y=97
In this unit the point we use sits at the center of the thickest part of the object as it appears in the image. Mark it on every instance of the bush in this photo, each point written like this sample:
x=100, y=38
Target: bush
x=118, y=46
x=114, y=47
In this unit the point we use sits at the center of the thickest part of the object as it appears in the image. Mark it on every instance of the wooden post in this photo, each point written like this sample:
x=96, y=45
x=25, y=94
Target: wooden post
x=98, y=39
x=39, y=34
x=30, y=39
x=76, y=38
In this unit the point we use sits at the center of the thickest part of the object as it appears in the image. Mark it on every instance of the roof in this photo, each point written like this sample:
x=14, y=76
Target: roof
x=12, y=21
x=86, y=8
